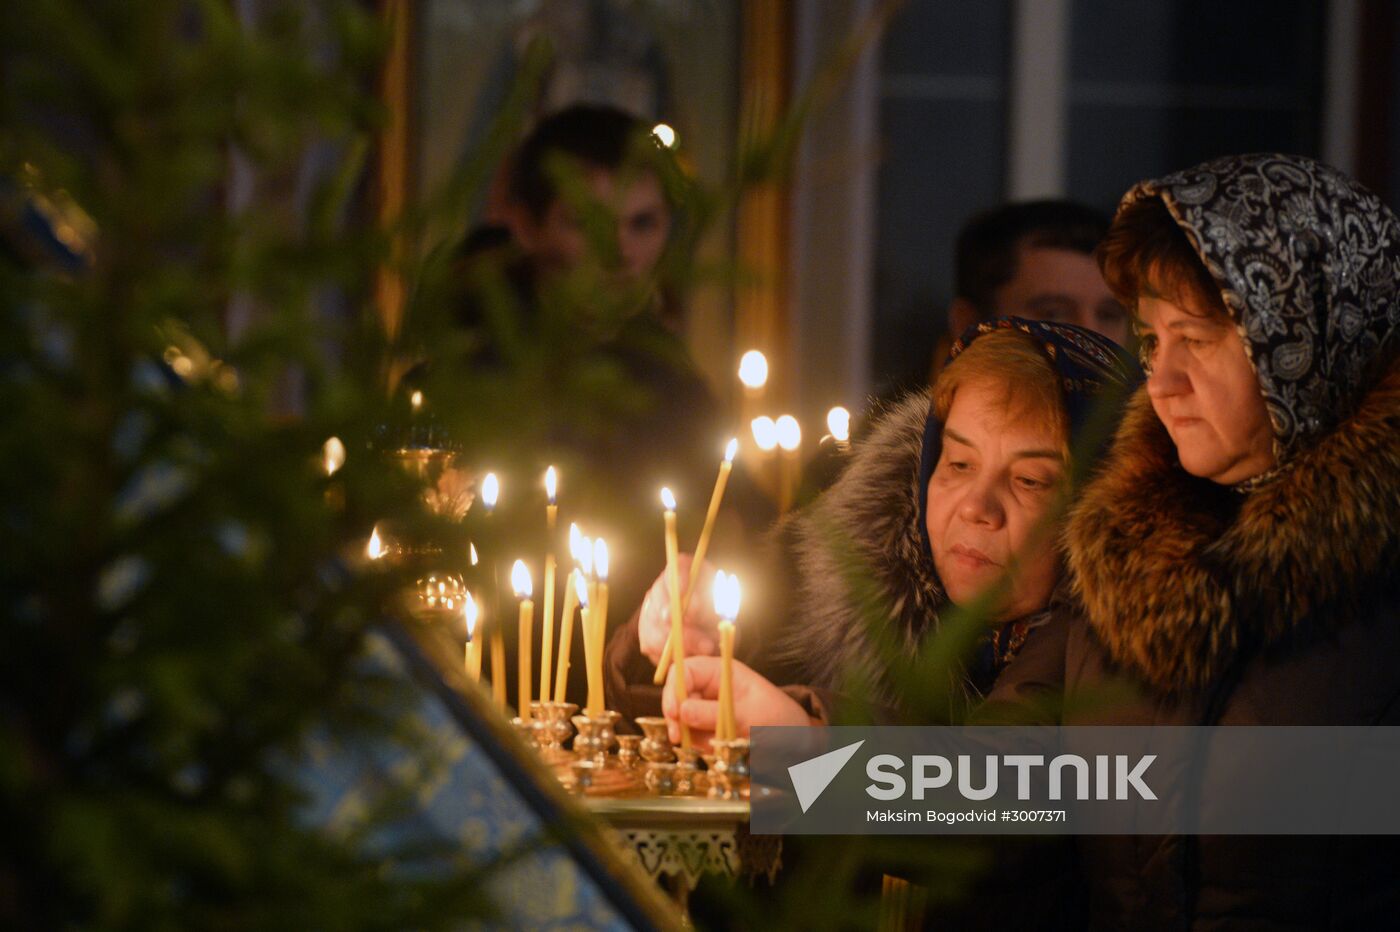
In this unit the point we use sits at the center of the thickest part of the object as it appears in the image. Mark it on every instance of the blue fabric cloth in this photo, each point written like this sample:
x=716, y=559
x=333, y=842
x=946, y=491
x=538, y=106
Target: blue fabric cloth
x=1094, y=372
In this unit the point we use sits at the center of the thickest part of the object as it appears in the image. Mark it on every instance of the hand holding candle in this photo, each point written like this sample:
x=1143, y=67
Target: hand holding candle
x=520, y=580
x=701, y=548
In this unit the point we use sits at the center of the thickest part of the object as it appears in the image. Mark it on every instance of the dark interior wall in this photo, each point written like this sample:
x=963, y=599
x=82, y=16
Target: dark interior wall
x=1154, y=85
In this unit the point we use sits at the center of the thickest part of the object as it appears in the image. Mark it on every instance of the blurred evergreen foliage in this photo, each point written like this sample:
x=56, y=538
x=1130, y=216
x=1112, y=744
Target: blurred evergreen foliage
x=180, y=603
x=181, y=607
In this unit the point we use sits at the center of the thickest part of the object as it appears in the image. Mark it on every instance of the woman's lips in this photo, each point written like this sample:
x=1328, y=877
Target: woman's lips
x=971, y=556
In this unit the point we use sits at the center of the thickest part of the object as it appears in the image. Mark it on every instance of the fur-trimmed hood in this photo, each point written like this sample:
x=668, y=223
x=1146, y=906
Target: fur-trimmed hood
x=1178, y=575
x=874, y=506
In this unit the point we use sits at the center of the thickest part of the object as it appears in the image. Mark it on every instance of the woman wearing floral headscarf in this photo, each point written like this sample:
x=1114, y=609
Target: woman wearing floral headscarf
x=1239, y=557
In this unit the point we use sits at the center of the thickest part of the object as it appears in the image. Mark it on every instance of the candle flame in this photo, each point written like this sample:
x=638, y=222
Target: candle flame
x=667, y=499
x=731, y=450
x=753, y=369
x=333, y=453
x=765, y=433
x=490, y=490
x=727, y=595
x=520, y=580
x=838, y=422
x=789, y=433
x=416, y=399
x=375, y=550
x=600, y=559
x=469, y=613
x=585, y=555
x=665, y=135
x=551, y=483
x=581, y=589
x=575, y=541
x=475, y=561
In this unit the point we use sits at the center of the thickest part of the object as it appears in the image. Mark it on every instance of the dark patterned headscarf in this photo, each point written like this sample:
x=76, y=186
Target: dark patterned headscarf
x=1308, y=264
x=1096, y=374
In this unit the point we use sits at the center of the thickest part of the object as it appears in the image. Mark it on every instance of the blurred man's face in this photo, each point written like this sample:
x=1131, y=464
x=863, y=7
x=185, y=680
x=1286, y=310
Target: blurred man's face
x=1065, y=286
x=558, y=241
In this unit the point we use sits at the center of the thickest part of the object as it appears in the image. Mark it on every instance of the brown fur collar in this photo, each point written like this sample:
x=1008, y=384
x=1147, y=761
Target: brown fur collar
x=874, y=507
x=1177, y=574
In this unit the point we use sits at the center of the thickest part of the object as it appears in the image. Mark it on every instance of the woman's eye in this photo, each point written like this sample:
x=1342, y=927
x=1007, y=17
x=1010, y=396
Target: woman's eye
x=959, y=466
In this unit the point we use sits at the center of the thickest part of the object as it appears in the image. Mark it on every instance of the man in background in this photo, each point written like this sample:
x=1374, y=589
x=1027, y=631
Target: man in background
x=583, y=257
x=1032, y=259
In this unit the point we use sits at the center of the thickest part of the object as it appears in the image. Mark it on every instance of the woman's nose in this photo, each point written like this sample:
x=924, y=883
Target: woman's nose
x=981, y=505
x=1166, y=377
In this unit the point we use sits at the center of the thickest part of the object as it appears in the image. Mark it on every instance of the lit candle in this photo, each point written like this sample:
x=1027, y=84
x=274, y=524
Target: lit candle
x=673, y=582
x=598, y=622
x=473, y=657
x=520, y=581
x=753, y=372
x=838, y=421
x=333, y=455
x=490, y=493
x=789, y=436
x=765, y=433
x=701, y=548
x=551, y=512
x=573, y=585
x=585, y=565
x=727, y=605
x=592, y=664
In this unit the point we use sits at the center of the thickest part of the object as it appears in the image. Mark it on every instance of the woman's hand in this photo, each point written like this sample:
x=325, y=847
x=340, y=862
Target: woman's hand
x=701, y=626
x=756, y=701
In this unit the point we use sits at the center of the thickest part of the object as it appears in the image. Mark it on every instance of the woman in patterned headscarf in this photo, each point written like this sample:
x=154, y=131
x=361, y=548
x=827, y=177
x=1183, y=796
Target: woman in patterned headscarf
x=1238, y=558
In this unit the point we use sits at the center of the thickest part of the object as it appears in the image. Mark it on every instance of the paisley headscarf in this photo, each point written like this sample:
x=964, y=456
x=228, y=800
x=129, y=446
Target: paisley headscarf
x=1097, y=376
x=1308, y=264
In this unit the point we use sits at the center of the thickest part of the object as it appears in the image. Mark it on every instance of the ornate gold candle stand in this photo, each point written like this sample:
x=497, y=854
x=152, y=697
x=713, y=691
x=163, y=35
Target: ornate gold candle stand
x=553, y=729
x=595, y=736
x=656, y=743
x=688, y=773
x=629, y=751
x=729, y=776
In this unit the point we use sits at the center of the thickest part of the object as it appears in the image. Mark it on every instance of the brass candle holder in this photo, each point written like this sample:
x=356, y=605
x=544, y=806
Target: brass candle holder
x=661, y=778
x=553, y=728
x=629, y=751
x=687, y=770
x=438, y=595
x=729, y=777
x=584, y=773
x=528, y=731
x=595, y=736
x=655, y=746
